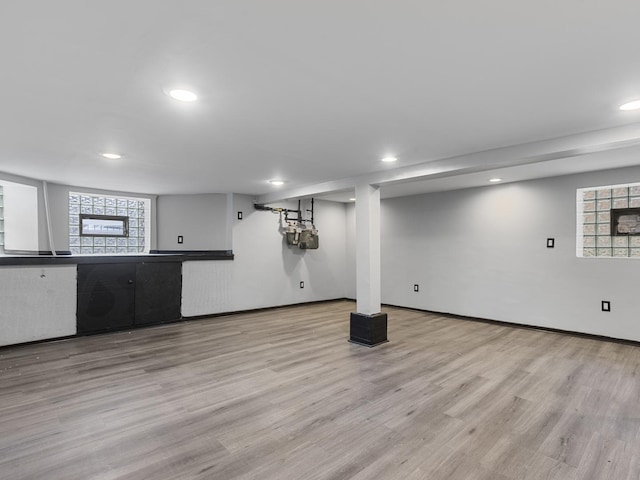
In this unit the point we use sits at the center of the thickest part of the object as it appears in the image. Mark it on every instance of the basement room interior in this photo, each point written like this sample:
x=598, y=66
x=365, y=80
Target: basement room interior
x=246, y=240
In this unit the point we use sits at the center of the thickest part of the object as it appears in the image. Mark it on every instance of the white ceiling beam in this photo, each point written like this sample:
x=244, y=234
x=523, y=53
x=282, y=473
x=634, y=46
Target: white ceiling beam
x=527, y=153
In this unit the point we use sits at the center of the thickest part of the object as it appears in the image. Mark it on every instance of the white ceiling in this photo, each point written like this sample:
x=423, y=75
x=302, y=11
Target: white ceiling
x=310, y=92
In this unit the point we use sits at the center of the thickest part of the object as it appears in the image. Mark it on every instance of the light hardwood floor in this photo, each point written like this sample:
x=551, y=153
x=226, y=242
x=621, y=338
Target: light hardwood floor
x=282, y=395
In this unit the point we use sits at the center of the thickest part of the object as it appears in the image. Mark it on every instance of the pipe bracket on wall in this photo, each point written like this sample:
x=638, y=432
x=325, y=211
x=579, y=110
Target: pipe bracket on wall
x=297, y=232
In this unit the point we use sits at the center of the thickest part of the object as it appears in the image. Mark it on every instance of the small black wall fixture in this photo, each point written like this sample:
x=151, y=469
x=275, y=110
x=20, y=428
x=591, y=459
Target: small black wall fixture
x=606, y=306
x=551, y=242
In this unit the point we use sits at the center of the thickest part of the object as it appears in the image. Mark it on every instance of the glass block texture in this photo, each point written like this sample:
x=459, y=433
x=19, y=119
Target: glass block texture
x=106, y=205
x=596, y=221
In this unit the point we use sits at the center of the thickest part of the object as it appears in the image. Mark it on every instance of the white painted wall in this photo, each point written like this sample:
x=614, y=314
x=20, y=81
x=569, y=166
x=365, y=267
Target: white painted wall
x=350, y=255
x=37, y=303
x=59, y=208
x=482, y=253
x=266, y=271
x=20, y=216
x=41, y=235
x=477, y=252
x=200, y=219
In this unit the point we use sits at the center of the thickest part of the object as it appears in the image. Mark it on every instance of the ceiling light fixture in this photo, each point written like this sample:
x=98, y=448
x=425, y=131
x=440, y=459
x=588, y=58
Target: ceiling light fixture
x=635, y=105
x=111, y=156
x=182, y=95
x=277, y=183
x=389, y=159
x=352, y=199
x=495, y=180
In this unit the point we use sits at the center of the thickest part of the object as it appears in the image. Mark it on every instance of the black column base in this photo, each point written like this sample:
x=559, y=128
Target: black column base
x=368, y=330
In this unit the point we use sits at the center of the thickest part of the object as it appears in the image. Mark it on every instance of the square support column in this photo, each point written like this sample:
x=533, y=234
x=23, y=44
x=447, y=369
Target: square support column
x=368, y=325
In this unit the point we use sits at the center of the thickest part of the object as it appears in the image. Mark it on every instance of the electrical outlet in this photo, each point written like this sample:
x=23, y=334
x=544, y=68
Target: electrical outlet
x=301, y=284
x=416, y=287
x=606, y=306
x=180, y=239
x=551, y=242
x=239, y=215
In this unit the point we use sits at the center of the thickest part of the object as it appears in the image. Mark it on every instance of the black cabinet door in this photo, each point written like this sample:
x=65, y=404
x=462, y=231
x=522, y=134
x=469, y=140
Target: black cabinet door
x=106, y=295
x=158, y=292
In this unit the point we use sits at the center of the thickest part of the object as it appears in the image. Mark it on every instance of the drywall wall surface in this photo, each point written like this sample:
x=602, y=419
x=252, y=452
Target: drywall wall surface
x=201, y=221
x=266, y=271
x=41, y=225
x=350, y=239
x=37, y=303
x=20, y=204
x=58, y=199
x=482, y=252
x=59, y=214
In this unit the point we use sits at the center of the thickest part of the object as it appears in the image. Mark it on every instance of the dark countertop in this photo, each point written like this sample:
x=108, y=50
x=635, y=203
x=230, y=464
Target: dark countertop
x=157, y=256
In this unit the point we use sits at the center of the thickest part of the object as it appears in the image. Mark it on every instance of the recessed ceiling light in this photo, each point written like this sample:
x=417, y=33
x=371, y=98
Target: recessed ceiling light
x=352, y=199
x=635, y=105
x=495, y=180
x=277, y=183
x=389, y=159
x=183, y=95
x=111, y=156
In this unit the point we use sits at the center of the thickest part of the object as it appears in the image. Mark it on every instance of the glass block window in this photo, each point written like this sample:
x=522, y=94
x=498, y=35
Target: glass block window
x=593, y=233
x=136, y=209
x=1, y=221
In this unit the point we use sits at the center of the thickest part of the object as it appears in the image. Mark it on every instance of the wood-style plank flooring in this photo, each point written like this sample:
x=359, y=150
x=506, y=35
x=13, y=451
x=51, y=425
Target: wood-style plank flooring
x=282, y=395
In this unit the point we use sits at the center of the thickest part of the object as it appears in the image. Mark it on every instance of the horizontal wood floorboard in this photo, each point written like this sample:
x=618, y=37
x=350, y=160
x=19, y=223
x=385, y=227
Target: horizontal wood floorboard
x=281, y=394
